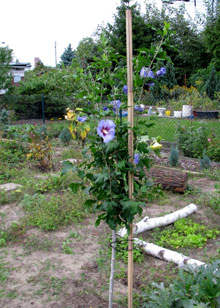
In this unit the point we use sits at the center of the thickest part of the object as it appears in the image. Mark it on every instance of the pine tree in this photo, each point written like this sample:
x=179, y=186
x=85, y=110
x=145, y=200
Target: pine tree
x=174, y=156
x=205, y=162
x=68, y=56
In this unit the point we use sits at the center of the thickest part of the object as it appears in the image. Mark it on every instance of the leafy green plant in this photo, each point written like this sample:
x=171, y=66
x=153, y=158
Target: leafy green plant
x=213, y=148
x=78, y=127
x=40, y=149
x=197, y=287
x=184, y=233
x=214, y=201
x=151, y=193
x=4, y=120
x=122, y=251
x=12, y=152
x=20, y=132
x=49, y=214
x=66, y=247
x=192, y=141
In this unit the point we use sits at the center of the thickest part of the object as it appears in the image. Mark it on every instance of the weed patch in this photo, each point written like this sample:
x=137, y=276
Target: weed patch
x=48, y=213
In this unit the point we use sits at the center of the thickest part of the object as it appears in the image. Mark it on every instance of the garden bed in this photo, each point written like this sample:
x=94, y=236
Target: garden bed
x=55, y=257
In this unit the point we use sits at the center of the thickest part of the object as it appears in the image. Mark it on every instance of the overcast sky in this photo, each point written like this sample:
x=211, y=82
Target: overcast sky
x=31, y=27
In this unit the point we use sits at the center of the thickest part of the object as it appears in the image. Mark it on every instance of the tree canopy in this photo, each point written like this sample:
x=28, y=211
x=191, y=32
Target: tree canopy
x=67, y=56
x=5, y=59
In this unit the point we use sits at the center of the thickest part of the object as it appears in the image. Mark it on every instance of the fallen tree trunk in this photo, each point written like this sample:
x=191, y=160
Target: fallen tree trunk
x=168, y=178
x=166, y=254
x=150, y=223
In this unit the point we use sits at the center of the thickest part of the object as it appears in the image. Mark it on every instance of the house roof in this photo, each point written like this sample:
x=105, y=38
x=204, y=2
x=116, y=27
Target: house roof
x=20, y=64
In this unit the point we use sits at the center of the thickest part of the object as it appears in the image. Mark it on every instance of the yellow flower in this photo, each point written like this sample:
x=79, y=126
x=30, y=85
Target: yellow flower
x=155, y=145
x=60, y=119
x=70, y=115
x=51, y=119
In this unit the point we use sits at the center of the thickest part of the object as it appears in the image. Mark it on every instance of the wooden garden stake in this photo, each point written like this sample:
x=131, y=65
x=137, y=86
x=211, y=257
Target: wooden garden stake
x=130, y=146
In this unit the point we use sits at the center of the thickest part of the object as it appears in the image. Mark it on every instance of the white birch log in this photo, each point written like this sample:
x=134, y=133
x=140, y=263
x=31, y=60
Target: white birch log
x=166, y=254
x=150, y=223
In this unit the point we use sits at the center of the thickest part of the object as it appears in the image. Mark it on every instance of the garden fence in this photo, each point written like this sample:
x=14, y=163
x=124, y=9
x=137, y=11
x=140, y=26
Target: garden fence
x=51, y=106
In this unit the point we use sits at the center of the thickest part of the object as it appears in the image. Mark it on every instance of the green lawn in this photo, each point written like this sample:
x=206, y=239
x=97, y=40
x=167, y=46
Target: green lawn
x=166, y=128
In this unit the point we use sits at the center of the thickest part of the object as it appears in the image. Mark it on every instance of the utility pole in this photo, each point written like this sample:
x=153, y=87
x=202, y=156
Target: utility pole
x=56, y=54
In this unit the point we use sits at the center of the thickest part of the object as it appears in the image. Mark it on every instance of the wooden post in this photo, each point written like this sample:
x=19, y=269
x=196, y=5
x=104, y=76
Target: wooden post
x=130, y=146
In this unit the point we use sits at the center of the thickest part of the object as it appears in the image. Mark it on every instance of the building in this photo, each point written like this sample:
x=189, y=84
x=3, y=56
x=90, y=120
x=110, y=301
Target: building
x=17, y=71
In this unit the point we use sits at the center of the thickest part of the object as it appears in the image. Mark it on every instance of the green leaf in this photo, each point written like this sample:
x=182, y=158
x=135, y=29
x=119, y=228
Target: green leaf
x=75, y=187
x=89, y=202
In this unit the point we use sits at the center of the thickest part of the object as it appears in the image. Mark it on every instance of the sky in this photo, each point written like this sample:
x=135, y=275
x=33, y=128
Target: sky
x=31, y=27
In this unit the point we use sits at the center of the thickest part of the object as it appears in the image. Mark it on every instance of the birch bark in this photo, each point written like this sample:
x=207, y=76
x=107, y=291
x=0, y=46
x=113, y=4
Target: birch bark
x=150, y=223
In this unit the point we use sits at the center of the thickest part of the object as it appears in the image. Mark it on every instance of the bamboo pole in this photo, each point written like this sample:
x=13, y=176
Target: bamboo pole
x=130, y=146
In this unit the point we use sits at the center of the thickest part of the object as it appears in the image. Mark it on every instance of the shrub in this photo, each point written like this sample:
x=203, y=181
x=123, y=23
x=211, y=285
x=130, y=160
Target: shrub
x=213, y=148
x=192, y=141
x=48, y=214
x=65, y=136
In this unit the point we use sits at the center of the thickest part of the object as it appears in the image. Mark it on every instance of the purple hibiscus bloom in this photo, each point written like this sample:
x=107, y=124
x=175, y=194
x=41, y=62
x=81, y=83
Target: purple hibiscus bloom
x=81, y=119
x=136, y=107
x=161, y=71
x=141, y=109
x=125, y=89
x=146, y=72
x=136, y=159
x=106, y=130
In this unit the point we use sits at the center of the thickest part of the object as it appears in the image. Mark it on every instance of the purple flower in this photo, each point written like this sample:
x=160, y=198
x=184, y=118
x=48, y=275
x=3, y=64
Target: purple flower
x=116, y=104
x=139, y=108
x=106, y=130
x=161, y=72
x=81, y=119
x=136, y=159
x=125, y=89
x=146, y=72
x=105, y=108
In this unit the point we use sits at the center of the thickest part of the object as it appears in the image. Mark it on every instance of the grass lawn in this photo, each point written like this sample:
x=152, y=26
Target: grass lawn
x=166, y=128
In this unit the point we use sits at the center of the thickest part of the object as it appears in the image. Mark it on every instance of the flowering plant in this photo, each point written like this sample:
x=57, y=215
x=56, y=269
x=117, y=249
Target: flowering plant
x=104, y=172
x=78, y=126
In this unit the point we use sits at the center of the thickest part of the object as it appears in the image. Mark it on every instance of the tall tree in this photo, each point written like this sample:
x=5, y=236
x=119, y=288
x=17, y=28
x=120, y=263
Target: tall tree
x=5, y=59
x=116, y=31
x=68, y=56
x=86, y=50
x=212, y=41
